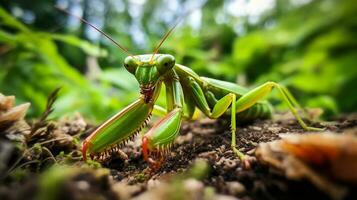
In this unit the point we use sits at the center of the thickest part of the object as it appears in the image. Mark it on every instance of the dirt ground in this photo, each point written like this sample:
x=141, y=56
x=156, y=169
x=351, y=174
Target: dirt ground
x=47, y=164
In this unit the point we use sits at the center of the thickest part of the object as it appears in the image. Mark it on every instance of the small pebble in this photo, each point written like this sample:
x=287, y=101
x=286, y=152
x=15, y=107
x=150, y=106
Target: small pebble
x=83, y=185
x=193, y=187
x=235, y=187
x=224, y=197
x=256, y=128
x=274, y=130
x=153, y=183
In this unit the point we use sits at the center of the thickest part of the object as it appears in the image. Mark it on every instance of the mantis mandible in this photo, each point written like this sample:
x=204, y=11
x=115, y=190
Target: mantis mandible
x=184, y=88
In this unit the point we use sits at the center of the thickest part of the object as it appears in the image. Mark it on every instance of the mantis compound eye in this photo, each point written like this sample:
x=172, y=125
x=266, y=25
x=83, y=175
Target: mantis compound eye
x=130, y=64
x=165, y=63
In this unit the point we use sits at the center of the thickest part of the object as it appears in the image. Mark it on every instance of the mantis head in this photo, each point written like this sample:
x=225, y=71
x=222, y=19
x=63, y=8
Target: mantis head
x=148, y=70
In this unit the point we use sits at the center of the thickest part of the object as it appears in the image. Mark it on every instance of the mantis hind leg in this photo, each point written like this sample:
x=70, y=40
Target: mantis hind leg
x=245, y=102
x=253, y=96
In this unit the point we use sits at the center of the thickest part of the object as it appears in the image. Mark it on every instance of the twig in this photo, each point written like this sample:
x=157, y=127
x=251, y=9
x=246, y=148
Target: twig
x=49, y=109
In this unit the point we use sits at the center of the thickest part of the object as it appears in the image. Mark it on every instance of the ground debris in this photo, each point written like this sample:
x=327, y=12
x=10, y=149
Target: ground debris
x=201, y=164
x=74, y=183
x=13, y=127
x=326, y=159
x=57, y=135
x=210, y=140
x=11, y=116
x=32, y=147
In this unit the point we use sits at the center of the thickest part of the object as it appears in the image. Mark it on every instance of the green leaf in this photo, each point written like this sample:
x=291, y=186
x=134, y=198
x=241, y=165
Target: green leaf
x=87, y=47
x=11, y=21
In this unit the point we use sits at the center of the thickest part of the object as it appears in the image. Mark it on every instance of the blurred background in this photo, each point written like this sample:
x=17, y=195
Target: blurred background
x=308, y=45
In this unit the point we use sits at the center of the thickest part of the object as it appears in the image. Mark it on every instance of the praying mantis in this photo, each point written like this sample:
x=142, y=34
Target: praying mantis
x=186, y=92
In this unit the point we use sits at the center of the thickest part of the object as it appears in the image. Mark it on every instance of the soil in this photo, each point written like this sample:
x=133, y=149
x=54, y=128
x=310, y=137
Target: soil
x=222, y=177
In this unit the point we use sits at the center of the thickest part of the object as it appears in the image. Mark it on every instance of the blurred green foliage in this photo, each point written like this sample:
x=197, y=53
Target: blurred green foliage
x=309, y=46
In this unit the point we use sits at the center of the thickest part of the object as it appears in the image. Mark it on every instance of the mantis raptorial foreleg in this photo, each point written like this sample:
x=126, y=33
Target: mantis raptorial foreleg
x=158, y=140
x=159, y=111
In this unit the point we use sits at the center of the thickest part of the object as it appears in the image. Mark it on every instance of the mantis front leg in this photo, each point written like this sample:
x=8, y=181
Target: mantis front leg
x=117, y=130
x=159, y=139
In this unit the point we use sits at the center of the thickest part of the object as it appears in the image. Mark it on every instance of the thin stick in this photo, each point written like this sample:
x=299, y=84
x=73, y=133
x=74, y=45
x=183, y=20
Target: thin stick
x=50, y=154
x=28, y=150
x=29, y=162
x=97, y=29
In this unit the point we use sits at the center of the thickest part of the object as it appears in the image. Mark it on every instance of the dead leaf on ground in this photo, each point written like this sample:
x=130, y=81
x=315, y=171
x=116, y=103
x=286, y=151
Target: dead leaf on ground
x=11, y=117
x=9, y=113
x=328, y=160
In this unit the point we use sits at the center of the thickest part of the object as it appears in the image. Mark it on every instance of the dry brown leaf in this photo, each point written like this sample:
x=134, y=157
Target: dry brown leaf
x=15, y=113
x=322, y=158
x=6, y=102
x=10, y=114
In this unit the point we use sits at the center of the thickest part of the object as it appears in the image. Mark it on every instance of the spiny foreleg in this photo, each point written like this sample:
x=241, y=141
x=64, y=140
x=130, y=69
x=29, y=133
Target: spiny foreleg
x=156, y=143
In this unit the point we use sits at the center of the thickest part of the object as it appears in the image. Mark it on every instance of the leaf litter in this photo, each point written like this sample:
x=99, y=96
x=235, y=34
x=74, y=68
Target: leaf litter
x=42, y=160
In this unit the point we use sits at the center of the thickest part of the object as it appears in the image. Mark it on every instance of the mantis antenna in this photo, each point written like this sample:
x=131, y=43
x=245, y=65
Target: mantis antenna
x=166, y=35
x=97, y=29
x=163, y=39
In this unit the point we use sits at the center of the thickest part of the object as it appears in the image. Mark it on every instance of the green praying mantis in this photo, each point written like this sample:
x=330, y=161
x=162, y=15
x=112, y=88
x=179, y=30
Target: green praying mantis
x=184, y=89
